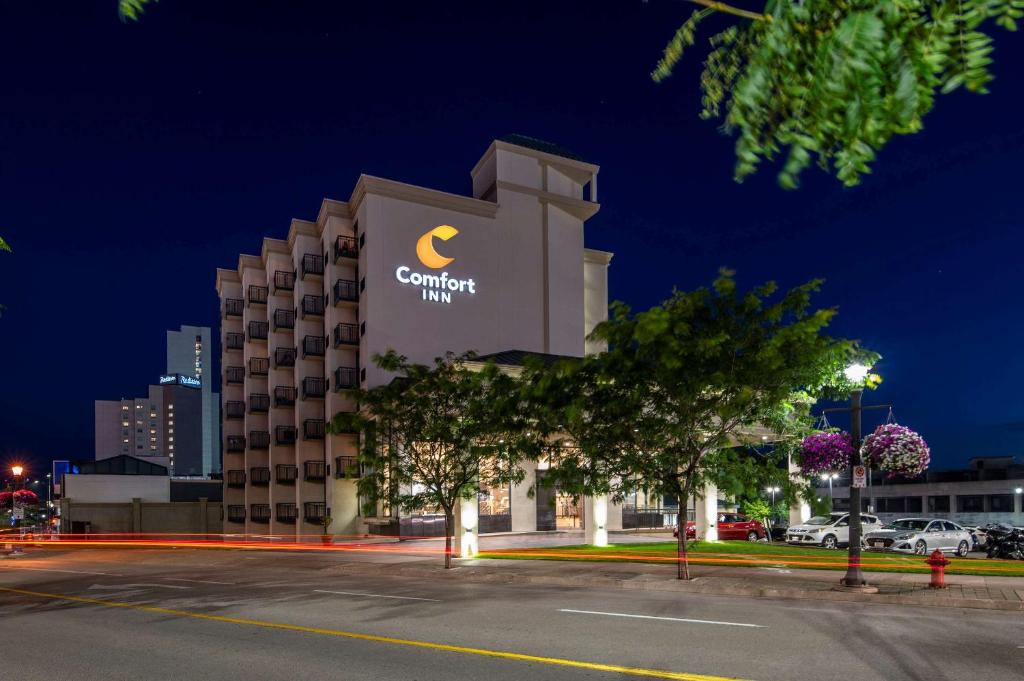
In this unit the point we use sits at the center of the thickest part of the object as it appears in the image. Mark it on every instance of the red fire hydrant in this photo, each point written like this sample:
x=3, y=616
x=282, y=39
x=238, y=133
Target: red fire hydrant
x=938, y=563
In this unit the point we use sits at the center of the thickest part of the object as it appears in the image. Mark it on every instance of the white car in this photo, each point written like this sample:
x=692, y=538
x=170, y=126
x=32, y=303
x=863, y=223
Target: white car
x=920, y=536
x=831, y=531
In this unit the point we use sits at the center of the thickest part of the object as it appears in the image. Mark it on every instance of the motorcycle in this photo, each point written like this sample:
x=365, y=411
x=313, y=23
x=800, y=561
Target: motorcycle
x=1005, y=542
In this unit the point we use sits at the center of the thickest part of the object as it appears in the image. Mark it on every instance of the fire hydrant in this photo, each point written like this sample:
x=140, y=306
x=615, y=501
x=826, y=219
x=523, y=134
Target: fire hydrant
x=938, y=563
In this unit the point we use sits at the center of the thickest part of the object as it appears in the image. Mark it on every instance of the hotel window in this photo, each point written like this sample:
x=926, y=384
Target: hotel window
x=970, y=503
x=125, y=440
x=170, y=423
x=170, y=439
x=170, y=407
x=152, y=447
x=170, y=431
x=1000, y=503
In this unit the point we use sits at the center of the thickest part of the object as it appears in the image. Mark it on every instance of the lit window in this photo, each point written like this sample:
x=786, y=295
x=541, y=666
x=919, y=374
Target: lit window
x=152, y=431
x=170, y=423
x=152, y=447
x=170, y=407
x=170, y=439
x=170, y=446
x=138, y=406
x=171, y=431
x=125, y=440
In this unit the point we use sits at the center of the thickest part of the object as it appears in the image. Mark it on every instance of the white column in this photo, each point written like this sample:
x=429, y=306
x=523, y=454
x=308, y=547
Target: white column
x=524, y=506
x=465, y=537
x=595, y=520
x=707, y=514
x=799, y=512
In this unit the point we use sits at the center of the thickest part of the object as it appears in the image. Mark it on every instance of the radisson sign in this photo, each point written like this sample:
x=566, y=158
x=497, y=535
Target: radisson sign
x=181, y=379
x=434, y=287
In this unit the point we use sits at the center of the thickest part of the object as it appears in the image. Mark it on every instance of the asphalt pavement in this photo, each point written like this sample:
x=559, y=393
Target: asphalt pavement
x=109, y=614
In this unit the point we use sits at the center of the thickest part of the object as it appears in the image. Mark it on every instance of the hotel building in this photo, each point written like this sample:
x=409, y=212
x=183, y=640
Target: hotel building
x=503, y=272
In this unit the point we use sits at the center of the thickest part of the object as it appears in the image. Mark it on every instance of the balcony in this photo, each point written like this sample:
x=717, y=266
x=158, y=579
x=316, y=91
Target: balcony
x=233, y=307
x=236, y=514
x=234, y=478
x=314, y=429
x=259, y=475
x=284, y=281
x=346, y=467
x=258, y=295
x=312, y=265
x=286, y=435
x=287, y=513
x=234, y=374
x=259, y=366
x=235, y=443
x=314, y=387
x=314, y=511
x=259, y=439
x=259, y=403
x=284, y=319
x=234, y=341
x=284, y=357
x=346, y=334
x=234, y=409
x=313, y=346
x=346, y=247
x=287, y=474
x=284, y=396
x=346, y=378
x=258, y=330
x=312, y=306
x=259, y=513
x=346, y=291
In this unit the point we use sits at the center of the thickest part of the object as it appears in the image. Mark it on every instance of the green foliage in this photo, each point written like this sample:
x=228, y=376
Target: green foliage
x=132, y=9
x=435, y=433
x=4, y=246
x=757, y=509
x=835, y=80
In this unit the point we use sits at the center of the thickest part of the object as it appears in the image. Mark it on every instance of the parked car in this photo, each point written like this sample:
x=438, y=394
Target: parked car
x=778, y=530
x=737, y=526
x=691, y=530
x=920, y=536
x=831, y=531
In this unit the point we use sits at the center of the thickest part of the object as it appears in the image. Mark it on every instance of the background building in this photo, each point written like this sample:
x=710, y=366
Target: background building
x=406, y=268
x=190, y=353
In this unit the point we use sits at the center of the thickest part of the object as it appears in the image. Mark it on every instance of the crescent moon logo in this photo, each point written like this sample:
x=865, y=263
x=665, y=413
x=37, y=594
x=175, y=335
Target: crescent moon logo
x=425, y=247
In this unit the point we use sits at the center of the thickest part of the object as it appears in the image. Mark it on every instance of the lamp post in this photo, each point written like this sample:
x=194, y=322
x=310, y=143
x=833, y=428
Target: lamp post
x=17, y=470
x=772, y=491
x=830, y=477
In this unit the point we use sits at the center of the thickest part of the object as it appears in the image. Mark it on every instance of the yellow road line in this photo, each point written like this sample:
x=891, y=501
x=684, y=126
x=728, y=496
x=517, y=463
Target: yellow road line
x=594, y=666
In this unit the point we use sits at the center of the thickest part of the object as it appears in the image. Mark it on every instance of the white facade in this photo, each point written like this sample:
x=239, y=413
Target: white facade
x=397, y=267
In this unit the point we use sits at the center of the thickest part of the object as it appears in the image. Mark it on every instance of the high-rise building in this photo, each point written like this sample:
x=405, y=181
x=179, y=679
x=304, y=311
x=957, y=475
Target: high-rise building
x=190, y=353
x=502, y=272
x=177, y=424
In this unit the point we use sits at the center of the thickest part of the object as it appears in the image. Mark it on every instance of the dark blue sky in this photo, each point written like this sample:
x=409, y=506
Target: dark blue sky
x=135, y=159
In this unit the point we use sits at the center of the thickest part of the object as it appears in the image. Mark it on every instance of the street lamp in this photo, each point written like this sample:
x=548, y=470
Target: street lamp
x=772, y=491
x=855, y=374
x=830, y=477
x=1019, y=490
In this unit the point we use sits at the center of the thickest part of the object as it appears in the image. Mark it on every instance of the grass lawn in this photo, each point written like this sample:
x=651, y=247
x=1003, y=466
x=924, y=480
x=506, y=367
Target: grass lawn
x=754, y=554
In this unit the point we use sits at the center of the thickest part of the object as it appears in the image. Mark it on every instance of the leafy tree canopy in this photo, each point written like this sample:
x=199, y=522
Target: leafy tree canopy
x=835, y=80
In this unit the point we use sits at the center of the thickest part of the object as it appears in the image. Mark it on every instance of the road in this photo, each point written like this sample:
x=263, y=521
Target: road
x=218, y=615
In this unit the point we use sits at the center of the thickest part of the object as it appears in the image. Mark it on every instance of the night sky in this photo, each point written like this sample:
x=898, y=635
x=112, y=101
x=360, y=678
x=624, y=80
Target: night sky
x=135, y=159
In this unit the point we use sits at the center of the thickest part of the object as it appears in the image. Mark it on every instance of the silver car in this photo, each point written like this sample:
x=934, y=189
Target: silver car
x=920, y=536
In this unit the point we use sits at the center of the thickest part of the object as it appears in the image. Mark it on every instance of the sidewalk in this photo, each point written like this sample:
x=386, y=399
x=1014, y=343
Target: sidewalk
x=965, y=591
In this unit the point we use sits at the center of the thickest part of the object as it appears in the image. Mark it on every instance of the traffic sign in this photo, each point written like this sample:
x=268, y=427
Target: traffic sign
x=860, y=476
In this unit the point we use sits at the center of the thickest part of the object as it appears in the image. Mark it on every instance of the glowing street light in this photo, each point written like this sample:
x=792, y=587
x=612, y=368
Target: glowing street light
x=856, y=373
x=830, y=477
x=1019, y=490
x=17, y=470
x=772, y=491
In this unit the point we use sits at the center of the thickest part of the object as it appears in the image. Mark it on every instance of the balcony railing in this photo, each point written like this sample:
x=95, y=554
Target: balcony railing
x=314, y=511
x=287, y=513
x=314, y=429
x=284, y=396
x=234, y=341
x=313, y=346
x=259, y=475
x=312, y=264
x=259, y=366
x=312, y=306
x=236, y=514
x=259, y=403
x=259, y=439
x=284, y=281
x=346, y=247
x=287, y=474
x=259, y=513
x=346, y=467
x=234, y=374
x=234, y=478
x=284, y=357
x=284, y=319
x=235, y=443
x=258, y=295
x=314, y=387
x=258, y=330
x=286, y=435
x=346, y=334
x=346, y=290
x=234, y=409
x=346, y=378
x=233, y=307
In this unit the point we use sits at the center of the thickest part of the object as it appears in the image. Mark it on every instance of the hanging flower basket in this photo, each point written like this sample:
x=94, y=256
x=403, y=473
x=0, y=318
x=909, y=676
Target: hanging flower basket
x=898, y=450
x=825, y=452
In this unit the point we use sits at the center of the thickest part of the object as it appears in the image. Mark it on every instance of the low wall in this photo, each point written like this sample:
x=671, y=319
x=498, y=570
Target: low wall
x=137, y=517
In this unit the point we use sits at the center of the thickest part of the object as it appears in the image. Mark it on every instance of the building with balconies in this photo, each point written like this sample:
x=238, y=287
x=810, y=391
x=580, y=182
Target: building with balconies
x=399, y=267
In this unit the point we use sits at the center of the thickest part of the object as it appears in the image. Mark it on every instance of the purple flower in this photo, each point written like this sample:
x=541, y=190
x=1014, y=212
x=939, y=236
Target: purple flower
x=898, y=450
x=825, y=452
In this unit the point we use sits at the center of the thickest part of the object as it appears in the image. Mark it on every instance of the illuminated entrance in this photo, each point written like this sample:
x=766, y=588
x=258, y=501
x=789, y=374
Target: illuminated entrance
x=555, y=510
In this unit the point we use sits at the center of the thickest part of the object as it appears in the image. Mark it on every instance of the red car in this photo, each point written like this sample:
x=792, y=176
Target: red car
x=730, y=526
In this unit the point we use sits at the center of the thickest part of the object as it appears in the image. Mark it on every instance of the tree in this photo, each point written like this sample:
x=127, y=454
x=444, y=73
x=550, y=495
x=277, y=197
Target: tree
x=435, y=433
x=681, y=385
x=132, y=9
x=835, y=79
x=760, y=510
